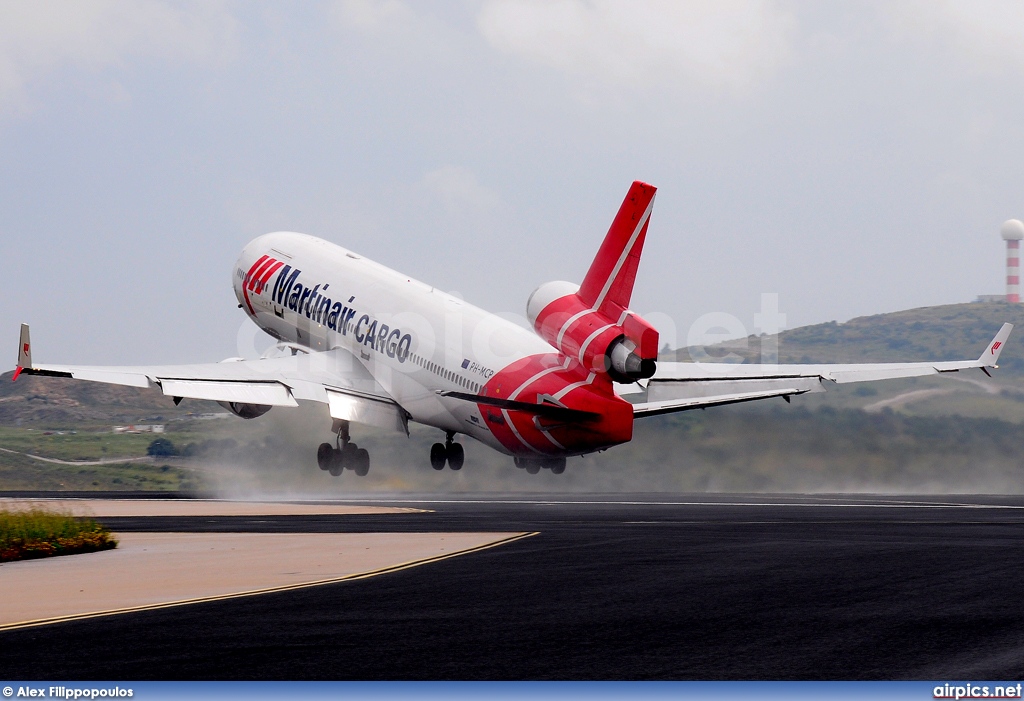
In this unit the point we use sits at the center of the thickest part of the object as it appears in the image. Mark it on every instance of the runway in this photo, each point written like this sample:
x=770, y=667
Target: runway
x=638, y=587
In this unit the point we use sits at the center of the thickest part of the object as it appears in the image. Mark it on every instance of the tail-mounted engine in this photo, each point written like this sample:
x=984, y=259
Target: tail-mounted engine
x=624, y=346
x=592, y=322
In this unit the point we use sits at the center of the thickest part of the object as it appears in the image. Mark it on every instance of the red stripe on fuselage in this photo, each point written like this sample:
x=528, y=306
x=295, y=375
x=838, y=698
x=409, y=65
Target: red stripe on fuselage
x=257, y=273
x=246, y=281
x=265, y=278
x=525, y=380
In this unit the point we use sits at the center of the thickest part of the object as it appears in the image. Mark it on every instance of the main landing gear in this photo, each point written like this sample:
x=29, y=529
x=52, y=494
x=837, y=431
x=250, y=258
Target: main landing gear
x=346, y=456
x=447, y=452
x=534, y=465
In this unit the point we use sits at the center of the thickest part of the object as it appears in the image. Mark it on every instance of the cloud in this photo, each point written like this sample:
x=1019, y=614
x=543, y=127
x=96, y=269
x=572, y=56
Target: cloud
x=987, y=33
x=722, y=44
x=40, y=37
x=373, y=16
x=404, y=35
x=459, y=192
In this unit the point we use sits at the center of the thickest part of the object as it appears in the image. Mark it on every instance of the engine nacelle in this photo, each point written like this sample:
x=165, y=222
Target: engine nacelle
x=611, y=340
x=246, y=411
x=624, y=365
x=542, y=297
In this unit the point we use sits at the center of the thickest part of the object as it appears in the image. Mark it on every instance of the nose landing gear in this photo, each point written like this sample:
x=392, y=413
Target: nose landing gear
x=448, y=452
x=346, y=455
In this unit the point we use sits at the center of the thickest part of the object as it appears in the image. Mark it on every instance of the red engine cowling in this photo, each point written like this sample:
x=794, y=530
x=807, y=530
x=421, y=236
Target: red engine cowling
x=591, y=322
x=611, y=339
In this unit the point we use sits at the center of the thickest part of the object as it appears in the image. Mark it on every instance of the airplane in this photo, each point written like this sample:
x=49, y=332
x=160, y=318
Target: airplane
x=382, y=349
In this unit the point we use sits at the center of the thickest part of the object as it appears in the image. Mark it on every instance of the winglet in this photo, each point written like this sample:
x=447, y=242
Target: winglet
x=24, y=352
x=991, y=355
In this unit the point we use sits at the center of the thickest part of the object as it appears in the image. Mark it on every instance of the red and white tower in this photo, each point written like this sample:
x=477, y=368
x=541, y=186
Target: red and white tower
x=1012, y=231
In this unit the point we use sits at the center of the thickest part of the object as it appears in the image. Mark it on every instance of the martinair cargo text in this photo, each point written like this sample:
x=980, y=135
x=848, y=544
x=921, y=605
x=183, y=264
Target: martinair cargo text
x=382, y=349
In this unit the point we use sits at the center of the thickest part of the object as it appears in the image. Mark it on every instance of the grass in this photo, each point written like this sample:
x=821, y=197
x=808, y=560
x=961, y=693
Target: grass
x=20, y=472
x=80, y=445
x=36, y=532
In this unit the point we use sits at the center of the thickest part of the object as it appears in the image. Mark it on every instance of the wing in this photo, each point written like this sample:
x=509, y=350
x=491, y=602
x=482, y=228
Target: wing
x=333, y=377
x=681, y=386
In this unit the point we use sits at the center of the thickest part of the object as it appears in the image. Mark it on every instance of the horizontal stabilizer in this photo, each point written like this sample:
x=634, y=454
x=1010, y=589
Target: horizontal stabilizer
x=551, y=411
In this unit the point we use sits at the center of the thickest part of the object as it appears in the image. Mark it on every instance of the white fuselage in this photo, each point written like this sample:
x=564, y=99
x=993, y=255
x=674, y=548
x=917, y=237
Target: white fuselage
x=412, y=338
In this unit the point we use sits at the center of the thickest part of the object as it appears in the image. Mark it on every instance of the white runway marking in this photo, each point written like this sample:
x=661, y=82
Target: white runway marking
x=899, y=504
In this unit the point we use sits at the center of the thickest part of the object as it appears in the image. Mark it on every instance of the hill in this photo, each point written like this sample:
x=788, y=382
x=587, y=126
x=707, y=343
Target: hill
x=57, y=402
x=949, y=332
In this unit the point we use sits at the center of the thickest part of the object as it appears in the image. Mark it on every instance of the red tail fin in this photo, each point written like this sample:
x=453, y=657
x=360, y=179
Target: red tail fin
x=611, y=275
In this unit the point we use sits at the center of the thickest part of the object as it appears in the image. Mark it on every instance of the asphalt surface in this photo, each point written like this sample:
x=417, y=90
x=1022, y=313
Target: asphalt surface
x=646, y=587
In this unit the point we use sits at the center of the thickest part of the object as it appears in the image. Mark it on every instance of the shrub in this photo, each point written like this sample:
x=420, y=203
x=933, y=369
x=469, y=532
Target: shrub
x=36, y=532
x=161, y=447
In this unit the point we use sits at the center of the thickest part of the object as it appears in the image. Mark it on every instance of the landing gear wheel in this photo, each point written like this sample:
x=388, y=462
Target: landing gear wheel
x=323, y=455
x=533, y=467
x=348, y=455
x=438, y=456
x=558, y=466
x=456, y=456
x=336, y=464
x=362, y=462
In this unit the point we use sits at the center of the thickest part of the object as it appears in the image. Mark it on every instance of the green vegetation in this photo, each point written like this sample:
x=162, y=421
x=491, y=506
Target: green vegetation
x=780, y=448
x=71, y=443
x=770, y=447
x=161, y=447
x=98, y=461
x=36, y=532
x=19, y=472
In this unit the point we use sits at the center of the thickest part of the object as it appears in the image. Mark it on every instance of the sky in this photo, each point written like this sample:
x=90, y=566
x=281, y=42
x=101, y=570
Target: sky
x=850, y=158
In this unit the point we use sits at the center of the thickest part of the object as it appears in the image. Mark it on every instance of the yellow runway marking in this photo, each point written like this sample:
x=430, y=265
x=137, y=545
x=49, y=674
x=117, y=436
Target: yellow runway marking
x=269, y=590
